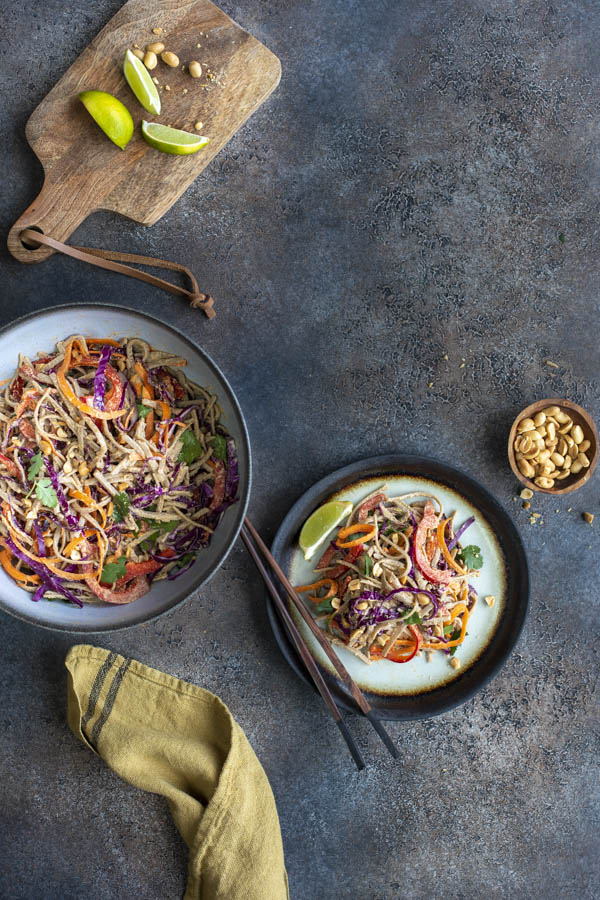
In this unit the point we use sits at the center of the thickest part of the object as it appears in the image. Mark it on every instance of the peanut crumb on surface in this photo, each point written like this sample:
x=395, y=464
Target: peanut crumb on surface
x=490, y=599
x=526, y=494
x=553, y=365
x=589, y=517
x=526, y=504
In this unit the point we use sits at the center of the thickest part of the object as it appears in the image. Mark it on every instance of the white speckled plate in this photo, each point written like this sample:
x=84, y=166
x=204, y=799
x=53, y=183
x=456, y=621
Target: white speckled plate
x=40, y=331
x=420, y=688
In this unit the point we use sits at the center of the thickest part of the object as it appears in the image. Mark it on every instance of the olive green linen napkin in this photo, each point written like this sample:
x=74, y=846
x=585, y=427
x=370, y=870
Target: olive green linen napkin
x=173, y=738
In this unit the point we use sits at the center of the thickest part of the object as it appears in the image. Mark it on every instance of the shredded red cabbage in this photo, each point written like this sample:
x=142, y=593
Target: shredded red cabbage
x=40, y=593
x=100, y=377
x=232, y=478
x=72, y=521
x=39, y=540
x=51, y=581
x=460, y=532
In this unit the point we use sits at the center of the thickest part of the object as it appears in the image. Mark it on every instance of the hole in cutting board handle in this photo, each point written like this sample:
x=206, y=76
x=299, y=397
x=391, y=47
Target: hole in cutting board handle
x=30, y=245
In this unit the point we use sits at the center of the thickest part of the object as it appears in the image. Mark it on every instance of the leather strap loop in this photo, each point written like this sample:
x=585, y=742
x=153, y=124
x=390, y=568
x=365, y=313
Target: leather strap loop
x=106, y=259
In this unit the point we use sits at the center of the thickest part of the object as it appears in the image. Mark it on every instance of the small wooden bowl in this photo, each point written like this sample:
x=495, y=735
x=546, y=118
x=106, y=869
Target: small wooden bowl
x=580, y=417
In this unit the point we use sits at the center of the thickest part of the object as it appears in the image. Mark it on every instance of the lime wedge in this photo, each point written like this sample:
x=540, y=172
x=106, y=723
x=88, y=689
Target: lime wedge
x=140, y=81
x=110, y=114
x=171, y=140
x=321, y=523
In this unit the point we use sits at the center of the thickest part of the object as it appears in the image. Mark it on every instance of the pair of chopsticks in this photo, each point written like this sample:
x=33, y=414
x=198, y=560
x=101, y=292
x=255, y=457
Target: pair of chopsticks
x=257, y=549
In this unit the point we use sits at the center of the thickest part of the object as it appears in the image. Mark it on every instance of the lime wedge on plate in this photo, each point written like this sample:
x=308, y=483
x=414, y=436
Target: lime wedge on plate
x=171, y=140
x=140, y=81
x=321, y=523
x=110, y=114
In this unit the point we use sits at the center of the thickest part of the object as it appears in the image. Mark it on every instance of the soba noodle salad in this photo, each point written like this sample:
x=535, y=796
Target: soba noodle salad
x=115, y=470
x=395, y=580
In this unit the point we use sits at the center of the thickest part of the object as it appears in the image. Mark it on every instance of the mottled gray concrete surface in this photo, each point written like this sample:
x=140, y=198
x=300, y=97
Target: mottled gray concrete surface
x=400, y=197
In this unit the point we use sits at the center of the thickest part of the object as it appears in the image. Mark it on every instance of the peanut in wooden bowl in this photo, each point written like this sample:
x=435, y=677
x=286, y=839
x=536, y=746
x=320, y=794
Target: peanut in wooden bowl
x=580, y=417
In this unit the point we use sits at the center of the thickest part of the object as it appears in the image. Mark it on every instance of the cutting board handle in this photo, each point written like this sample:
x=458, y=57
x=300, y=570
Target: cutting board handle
x=54, y=213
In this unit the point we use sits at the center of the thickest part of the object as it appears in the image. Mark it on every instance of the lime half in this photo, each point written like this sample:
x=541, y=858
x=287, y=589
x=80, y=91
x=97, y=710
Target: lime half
x=110, y=114
x=321, y=523
x=140, y=81
x=171, y=140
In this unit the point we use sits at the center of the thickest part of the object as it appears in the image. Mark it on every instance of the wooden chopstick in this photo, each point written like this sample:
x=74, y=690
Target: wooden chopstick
x=343, y=673
x=303, y=651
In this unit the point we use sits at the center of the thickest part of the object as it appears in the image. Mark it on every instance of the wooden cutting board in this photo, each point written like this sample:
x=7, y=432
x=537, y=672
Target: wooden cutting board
x=84, y=171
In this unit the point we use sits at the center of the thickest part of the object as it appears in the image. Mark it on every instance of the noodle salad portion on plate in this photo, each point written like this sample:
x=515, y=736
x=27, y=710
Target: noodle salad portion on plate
x=115, y=470
x=395, y=580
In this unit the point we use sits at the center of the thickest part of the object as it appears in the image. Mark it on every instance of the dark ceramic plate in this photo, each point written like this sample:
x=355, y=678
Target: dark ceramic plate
x=40, y=331
x=419, y=688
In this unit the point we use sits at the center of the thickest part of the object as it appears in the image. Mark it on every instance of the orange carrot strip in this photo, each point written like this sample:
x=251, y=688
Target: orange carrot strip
x=10, y=569
x=83, y=498
x=331, y=592
x=367, y=532
x=445, y=552
x=108, y=341
x=70, y=395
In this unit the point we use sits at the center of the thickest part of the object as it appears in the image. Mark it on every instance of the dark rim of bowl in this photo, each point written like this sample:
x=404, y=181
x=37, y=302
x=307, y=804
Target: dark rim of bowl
x=240, y=508
x=445, y=697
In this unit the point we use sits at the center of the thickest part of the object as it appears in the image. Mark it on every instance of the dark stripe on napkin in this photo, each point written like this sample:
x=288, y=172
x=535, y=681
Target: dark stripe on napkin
x=96, y=688
x=109, y=702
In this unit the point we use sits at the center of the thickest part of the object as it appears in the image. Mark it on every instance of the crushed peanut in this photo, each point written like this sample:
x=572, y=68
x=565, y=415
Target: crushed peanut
x=589, y=517
x=455, y=663
x=490, y=599
x=526, y=494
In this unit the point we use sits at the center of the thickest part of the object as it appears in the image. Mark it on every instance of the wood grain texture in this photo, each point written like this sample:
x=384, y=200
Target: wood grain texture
x=85, y=172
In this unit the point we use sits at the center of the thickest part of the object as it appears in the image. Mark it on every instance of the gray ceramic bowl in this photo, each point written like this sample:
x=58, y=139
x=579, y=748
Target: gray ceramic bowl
x=40, y=331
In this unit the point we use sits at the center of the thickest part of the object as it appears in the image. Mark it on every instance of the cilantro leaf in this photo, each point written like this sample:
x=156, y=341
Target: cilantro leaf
x=143, y=410
x=46, y=493
x=112, y=571
x=452, y=650
x=158, y=528
x=120, y=506
x=324, y=607
x=219, y=445
x=191, y=448
x=35, y=465
x=413, y=619
x=562, y=237
x=471, y=557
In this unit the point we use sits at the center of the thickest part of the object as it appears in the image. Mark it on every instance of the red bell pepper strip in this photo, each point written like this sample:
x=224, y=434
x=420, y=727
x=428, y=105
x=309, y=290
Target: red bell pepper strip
x=368, y=506
x=16, y=391
x=139, y=587
x=10, y=465
x=326, y=558
x=429, y=521
x=398, y=657
x=135, y=569
x=351, y=557
x=219, y=485
x=27, y=430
